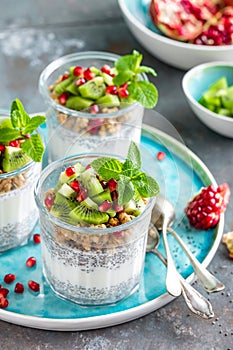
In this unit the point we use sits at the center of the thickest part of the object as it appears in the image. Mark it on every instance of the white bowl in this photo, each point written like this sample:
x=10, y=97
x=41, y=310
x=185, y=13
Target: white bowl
x=175, y=53
x=196, y=81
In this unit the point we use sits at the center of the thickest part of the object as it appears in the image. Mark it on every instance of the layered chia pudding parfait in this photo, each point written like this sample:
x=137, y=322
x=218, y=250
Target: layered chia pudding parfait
x=95, y=211
x=93, y=97
x=20, y=166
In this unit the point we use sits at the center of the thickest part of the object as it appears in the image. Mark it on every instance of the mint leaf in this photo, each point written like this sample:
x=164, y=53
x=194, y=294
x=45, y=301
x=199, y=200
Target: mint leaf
x=123, y=77
x=144, y=92
x=145, y=185
x=108, y=168
x=125, y=190
x=145, y=69
x=129, y=169
x=134, y=154
x=19, y=117
x=33, y=147
x=8, y=134
x=128, y=62
x=33, y=123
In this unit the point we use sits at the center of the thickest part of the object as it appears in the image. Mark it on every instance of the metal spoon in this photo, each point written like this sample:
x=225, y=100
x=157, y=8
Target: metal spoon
x=196, y=302
x=163, y=208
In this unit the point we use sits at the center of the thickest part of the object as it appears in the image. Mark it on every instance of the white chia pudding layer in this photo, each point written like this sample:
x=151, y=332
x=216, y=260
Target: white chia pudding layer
x=100, y=274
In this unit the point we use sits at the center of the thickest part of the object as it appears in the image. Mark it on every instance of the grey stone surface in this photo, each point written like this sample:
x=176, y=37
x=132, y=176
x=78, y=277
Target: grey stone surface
x=33, y=33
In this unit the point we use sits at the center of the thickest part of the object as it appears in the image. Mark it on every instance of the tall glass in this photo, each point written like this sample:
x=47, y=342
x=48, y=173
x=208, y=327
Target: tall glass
x=90, y=265
x=18, y=211
x=72, y=132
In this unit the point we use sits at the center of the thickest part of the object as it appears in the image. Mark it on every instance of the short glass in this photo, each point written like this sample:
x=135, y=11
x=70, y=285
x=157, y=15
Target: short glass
x=18, y=211
x=72, y=132
x=88, y=265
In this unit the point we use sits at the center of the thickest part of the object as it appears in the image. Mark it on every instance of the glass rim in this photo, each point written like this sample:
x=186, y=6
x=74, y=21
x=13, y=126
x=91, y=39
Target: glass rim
x=51, y=67
x=47, y=171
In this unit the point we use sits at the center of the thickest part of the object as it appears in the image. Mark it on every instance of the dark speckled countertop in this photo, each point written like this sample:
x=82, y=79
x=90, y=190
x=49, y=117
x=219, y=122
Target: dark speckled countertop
x=32, y=34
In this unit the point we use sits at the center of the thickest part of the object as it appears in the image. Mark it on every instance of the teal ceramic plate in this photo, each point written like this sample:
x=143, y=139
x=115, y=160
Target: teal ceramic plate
x=180, y=175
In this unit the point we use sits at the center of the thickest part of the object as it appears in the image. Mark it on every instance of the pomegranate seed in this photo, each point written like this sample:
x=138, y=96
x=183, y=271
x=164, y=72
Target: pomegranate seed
x=118, y=234
x=14, y=143
x=114, y=195
x=75, y=185
x=2, y=148
x=88, y=74
x=34, y=286
x=65, y=76
x=112, y=90
x=82, y=195
x=36, y=238
x=94, y=125
x=125, y=85
x=63, y=98
x=31, y=261
x=70, y=171
x=9, y=278
x=88, y=166
x=3, y=292
x=118, y=208
x=105, y=206
x=78, y=71
x=106, y=69
x=112, y=184
x=80, y=81
x=161, y=155
x=123, y=93
x=104, y=184
x=19, y=288
x=49, y=200
x=3, y=303
x=94, y=109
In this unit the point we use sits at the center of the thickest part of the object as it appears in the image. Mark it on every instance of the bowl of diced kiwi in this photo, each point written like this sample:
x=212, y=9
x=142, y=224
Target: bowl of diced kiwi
x=209, y=91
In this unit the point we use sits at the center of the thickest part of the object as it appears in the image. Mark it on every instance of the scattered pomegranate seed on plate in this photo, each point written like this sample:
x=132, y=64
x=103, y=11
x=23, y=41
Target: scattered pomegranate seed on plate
x=3, y=303
x=34, y=286
x=36, y=238
x=3, y=292
x=161, y=155
x=19, y=288
x=9, y=278
x=31, y=261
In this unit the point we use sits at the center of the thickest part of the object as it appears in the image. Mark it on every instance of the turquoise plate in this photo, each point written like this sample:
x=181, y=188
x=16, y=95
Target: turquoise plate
x=180, y=175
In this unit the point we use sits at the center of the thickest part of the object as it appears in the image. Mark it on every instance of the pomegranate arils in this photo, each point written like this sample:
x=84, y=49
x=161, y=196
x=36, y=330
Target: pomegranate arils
x=78, y=71
x=14, y=143
x=63, y=98
x=75, y=185
x=105, y=206
x=161, y=155
x=36, y=238
x=122, y=92
x=118, y=208
x=49, y=200
x=106, y=69
x=70, y=171
x=94, y=125
x=34, y=286
x=82, y=195
x=9, y=278
x=204, y=210
x=31, y=261
x=65, y=76
x=19, y=288
x=112, y=184
x=118, y=234
x=114, y=195
x=104, y=184
x=94, y=109
x=2, y=148
x=88, y=74
x=111, y=89
x=80, y=81
x=3, y=303
x=3, y=292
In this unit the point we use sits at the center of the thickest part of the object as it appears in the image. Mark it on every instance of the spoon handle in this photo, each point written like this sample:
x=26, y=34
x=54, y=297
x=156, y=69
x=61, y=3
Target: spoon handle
x=196, y=302
x=173, y=284
x=210, y=282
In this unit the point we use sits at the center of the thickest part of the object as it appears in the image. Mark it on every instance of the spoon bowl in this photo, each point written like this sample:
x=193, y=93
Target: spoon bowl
x=164, y=208
x=196, y=302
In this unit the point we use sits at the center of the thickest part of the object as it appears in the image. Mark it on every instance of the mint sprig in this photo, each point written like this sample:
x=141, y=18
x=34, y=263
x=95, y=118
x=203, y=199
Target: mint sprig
x=131, y=180
x=22, y=127
x=128, y=69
